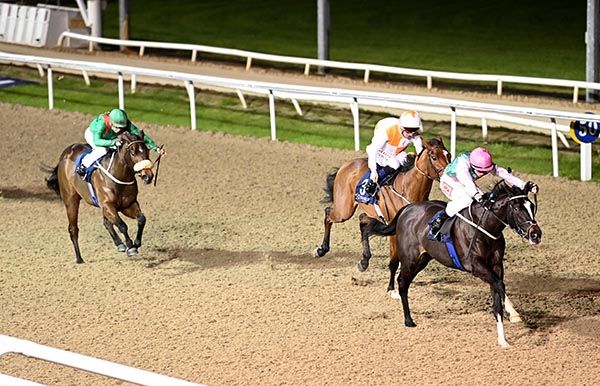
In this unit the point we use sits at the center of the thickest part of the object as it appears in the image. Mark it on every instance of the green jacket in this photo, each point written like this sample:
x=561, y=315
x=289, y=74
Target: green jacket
x=104, y=136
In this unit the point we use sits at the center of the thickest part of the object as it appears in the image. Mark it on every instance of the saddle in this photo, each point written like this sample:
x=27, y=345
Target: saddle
x=89, y=171
x=445, y=236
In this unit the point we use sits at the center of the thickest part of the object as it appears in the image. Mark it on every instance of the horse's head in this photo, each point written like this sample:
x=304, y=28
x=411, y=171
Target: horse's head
x=135, y=154
x=433, y=159
x=512, y=206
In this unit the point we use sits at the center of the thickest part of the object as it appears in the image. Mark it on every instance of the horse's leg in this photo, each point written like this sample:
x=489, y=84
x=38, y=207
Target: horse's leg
x=334, y=215
x=366, y=224
x=498, y=268
x=513, y=315
x=393, y=266
x=498, y=295
x=113, y=217
x=408, y=271
x=324, y=248
x=113, y=234
x=72, y=206
x=135, y=212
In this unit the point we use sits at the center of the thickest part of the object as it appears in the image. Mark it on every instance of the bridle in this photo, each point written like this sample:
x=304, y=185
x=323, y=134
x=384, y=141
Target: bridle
x=437, y=172
x=518, y=227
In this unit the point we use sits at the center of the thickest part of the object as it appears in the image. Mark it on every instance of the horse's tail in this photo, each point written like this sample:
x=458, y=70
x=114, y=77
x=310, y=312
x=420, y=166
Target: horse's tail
x=329, y=185
x=52, y=181
x=382, y=229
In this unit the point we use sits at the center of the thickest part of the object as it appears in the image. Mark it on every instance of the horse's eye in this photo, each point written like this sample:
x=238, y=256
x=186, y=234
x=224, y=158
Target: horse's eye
x=433, y=158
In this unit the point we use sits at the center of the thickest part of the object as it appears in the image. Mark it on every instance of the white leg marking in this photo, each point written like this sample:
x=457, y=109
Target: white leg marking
x=394, y=294
x=513, y=315
x=501, y=337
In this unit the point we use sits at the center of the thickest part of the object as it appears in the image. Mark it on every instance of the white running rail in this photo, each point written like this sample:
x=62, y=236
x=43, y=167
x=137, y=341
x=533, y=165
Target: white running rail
x=500, y=80
x=531, y=117
x=9, y=344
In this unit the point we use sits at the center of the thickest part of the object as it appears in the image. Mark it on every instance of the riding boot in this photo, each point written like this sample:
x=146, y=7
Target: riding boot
x=436, y=225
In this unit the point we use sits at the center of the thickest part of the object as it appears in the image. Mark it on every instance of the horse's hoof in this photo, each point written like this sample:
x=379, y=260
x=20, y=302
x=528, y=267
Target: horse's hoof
x=121, y=248
x=409, y=323
x=132, y=252
x=319, y=252
x=362, y=267
x=394, y=294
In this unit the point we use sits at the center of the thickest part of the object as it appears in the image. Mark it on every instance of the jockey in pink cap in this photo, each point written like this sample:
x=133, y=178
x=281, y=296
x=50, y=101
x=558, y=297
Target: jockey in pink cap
x=458, y=182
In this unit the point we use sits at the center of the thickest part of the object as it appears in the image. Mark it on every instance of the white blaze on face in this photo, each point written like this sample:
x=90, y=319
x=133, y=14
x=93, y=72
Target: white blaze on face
x=142, y=165
x=529, y=206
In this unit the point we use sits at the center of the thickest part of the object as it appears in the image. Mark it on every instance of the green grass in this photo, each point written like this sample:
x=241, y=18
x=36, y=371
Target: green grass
x=541, y=38
x=319, y=126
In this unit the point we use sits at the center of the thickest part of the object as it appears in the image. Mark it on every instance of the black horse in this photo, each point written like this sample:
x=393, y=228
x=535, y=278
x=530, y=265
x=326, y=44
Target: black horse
x=478, y=241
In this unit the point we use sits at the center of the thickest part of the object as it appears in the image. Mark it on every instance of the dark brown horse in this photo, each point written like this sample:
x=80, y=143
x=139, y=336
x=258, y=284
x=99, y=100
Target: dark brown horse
x=411, y=186
x=478, y=240
x=115, y=186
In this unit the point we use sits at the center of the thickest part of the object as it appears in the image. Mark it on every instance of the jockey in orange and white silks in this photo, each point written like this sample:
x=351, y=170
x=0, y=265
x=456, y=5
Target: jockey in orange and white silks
x=387, y=150
x=391, y=138
x=458, y=182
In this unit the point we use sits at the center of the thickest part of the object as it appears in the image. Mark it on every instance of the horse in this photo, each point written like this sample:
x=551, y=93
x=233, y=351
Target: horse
x=410, y=186
x=478, y=241
x=115, y=186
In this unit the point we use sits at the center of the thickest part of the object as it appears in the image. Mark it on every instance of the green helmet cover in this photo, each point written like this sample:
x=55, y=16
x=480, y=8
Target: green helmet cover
x=118, y=118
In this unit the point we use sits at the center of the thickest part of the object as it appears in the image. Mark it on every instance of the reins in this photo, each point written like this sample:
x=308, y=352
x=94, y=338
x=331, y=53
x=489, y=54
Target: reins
x=116, y=180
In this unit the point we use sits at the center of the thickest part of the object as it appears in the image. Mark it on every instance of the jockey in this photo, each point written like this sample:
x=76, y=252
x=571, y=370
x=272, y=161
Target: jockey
x=102, y=134
x=387, y=152
x=458, y=183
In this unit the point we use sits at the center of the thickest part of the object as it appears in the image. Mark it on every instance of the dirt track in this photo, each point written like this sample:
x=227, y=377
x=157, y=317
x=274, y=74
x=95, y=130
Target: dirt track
x=226, y=291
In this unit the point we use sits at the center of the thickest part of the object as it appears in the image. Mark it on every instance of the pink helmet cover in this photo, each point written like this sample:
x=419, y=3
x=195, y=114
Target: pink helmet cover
x=481, y=159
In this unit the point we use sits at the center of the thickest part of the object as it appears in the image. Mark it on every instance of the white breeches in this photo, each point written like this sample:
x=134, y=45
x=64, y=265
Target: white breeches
x=97, y=151
x=455, y=191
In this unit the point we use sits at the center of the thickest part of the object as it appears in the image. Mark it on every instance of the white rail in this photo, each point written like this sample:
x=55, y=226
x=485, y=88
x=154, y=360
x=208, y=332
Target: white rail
x=500, y=80
x=87, y=363
x=352, y=98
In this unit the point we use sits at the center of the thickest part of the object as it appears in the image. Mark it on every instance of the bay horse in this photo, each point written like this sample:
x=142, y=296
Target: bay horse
x=407, y=187
x=115, y=186
x=478, y=241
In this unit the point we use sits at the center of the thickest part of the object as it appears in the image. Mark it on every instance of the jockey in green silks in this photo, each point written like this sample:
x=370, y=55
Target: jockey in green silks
x=102, y=134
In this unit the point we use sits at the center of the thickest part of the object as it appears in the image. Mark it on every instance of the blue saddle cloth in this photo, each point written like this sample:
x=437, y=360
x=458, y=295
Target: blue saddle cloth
x=360, y=194
x=446, y=237
x=88, y=174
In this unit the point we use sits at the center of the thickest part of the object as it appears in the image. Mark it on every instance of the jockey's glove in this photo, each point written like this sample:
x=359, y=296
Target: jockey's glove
x=118, y=143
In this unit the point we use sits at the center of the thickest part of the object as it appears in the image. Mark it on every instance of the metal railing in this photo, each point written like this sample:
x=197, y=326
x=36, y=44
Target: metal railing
x=352, y=98
x=499, y=80
x=9, y=344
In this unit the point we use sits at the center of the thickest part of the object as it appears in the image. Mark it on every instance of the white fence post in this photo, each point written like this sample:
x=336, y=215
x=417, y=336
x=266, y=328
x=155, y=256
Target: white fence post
x=121, y=92
x=192, y=96
x=484, y=129
x=50, y=89
x=586, y=161
x=453, y=132
x=554, y=137
x=272, y=116
x=354, y=109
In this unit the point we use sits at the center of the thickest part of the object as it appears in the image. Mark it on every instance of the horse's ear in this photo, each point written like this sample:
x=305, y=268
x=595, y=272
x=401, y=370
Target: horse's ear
x=142, y=134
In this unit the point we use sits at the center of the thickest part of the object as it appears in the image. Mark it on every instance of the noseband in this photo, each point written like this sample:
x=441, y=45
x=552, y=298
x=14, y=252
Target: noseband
x=142, y=165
